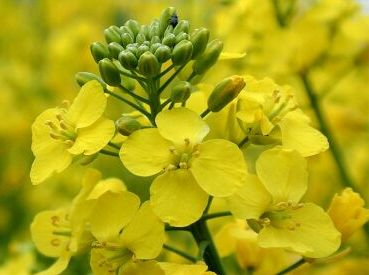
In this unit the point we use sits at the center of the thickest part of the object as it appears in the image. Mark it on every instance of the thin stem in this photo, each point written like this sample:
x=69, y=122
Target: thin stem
x=338, y=158
x=204, y=113
x=132, y=94
x=142, y=82
x=180, y=253
x=292, y=267
x=216, y=215
x=207, y=208
x=171, y=105
x=170, y=79
x=193, y=74
x=243, y=142
x=123, y=72
x=109, y=153
x=173, y=228
x=165, y=103
x=280, y=18
x=116, y=146
x=164, y=72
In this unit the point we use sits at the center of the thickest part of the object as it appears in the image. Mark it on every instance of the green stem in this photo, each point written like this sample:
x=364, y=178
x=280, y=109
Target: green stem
x=193, y=74
x=109, y=153
x=216, y=215
x=292, y=267
x=165, y=103
x=154, y=99
x=180, y=253
x=116, y=146
x=170, y=79
x=243, y=142
x=201, y=234
x=132, y=94
x=164, y=72
x=123, y=72
x=205, y=113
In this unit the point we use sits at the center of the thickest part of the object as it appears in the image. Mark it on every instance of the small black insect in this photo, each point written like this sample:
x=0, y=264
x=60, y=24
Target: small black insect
x=173, y=20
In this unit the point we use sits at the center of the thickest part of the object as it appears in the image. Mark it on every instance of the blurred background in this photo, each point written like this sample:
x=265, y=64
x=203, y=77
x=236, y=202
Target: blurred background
x=44, y=43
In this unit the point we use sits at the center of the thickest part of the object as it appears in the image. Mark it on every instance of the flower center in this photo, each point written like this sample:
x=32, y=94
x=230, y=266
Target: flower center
x=280, y=105
x=182, y=155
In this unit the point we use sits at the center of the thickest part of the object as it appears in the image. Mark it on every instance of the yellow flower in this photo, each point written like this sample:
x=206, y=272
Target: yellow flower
x=269, y=114
x=124, y=232
x=59, y=134
x=270, y=203
x=348, y=213
x=62, y=233
x=190, y=170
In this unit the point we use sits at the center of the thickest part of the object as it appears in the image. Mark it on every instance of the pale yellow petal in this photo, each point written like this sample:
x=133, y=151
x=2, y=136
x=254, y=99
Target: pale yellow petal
x=179, y=124
x=251, y=201
x=142, y=268
x=283, y=173
x=59, y=266
x=88, y=106
x=146, y=152
x=220, y=168
x=144, y=235
x=183, y=269
x=231, y=56
x=177, y=199
x=115, y=210
x=297, y=134
x=93, y=138
x=114, y=185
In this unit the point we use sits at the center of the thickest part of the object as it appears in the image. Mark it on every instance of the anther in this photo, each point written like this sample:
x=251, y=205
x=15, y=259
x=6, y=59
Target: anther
x=51, y=125
x=65, y=104
x=183, y=165
x=55, y=220
x=196, y=153
x=69, y=143
x=55, y=242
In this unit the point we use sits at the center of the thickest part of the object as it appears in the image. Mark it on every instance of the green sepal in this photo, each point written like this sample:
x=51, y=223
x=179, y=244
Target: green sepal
x=128, y=60
x=209, y=57
x=182, y=36
x=126, y=39
x=140, y=38
x=162, y=53
x=133, y=26
x=112, y=35
x=199, y=39
x=148, y=64
x=127, y=125
x=154, y=47
x=155, y=39
x=181, y=92
x=182, y=26
x=83, y=77
x=99, y=51
x=115, y=49
x=141, y=49
x=182, y=52
x=125, y=29
x=109, y=73
x=169, y=40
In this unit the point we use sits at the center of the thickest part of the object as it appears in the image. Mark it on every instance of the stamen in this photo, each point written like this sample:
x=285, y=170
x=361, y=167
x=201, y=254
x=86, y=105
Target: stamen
x=55, y=242
x=183, y=165
x=51, y=125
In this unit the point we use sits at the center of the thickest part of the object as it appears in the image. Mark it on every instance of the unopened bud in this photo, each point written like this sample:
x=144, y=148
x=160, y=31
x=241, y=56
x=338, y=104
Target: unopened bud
x=99, y=51
x=133, y=48
x=154, y=31
x=169, y=40
x=85, y=160
x=209, y=57
x=199, y=41
x=181, y=92
x=163, y=53
x=127, y=125
x=148, y=64
x=126, y=39
x=125, y=29
x=154, y=47
x=140, y=38
x=112, y=35
x=182, y=52
x=83, y=77
x=133, y=26
x=165, y=18
x=182, y=26
x=224, y=92
x=155, y=39
x=182, y=36
x=128, y=60
x=115, y=49
x=141, y=49
x=109, y=73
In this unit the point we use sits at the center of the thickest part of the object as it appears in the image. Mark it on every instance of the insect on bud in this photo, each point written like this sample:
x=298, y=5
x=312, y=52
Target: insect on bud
x=148, y=64
x=182, y=52
x=83, y=77
x=112, y=34
x=109, y=73
x=163, y=53
x=224, y=92
x=99, y=51
x=209, y=57
x=115, y=49
x=127, y=125
x=167, y=16
x=128, y=60
x=199, y=40
x=181, y=92
x=182, y=26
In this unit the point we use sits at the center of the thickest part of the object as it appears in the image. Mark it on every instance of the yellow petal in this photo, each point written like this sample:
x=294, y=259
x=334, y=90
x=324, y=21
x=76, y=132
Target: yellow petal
x=146, y=152
x=108, y=261
x=142, y=268
x=230, y=56
x=93, y=138
x=56, y=159
x=314, y=237
x=144, y=235
x=59, y=266
x=42, y=228
x=251, y=201
x=112, y=184
x=297, y=134
x=115, y=210
x=183, y=269
x=88, y=106
x=176, y=198
x=219, y=168
x=283, y=173
x=179, y=124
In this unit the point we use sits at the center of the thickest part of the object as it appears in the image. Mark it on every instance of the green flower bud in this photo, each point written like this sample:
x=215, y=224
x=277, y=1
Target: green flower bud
x=182, y=36
x=128, y=60
x=168, y=30
x=126, y=39
x=169, y=40
x=109, y=73
x=83, y=77
x=209, y=58
x=154, y=47
x=112, y=35
x=199, y=41
x=155, y=39
x=182, y=26
x=115, y=49
x=224, y=92
x=125, y=29
x=127, y=125
x=99, y=51
x=181, y=92
x=163, y=53
x=148, y=64
x=146, y=43
x=133, y=48
x=165, y=19
x=141, y=49
x=140, y=38
x=182, y=52
x=85, y=160
x=145, y=30
x=154, y=31
x=133, y=26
